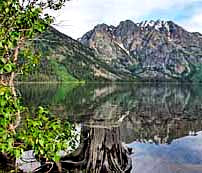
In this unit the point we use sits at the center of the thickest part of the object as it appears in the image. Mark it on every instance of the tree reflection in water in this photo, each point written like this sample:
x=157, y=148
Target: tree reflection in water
x=157, y=114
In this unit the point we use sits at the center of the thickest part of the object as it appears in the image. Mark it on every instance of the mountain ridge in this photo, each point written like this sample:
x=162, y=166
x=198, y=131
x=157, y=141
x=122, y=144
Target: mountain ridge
x=146, y=51
x=154, y=50
x=64, y=59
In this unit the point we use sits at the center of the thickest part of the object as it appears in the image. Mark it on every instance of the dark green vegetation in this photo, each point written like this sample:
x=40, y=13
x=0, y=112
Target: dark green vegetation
x=20, y=21
x=22, y=129
x=65, y=59
x=10, y=109
x=43, y=133
x=47, y=135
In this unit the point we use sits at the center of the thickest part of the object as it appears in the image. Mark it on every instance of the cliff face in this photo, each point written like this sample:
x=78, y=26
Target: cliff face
x=146, y=51
x=154, y=50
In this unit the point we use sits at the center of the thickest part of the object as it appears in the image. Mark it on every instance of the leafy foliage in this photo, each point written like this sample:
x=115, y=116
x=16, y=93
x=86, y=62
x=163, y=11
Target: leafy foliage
x=21, y=21
x=47, y=135
x=6, y=66
x=9, y=107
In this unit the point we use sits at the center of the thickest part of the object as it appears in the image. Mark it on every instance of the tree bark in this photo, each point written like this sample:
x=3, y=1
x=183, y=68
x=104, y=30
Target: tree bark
x=16, y=52
x=103, y=152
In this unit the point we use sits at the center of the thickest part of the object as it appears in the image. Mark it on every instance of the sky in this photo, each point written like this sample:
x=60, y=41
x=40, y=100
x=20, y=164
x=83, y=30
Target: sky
x=79, y=16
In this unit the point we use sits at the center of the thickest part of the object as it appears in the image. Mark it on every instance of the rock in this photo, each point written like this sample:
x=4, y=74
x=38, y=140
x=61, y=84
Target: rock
x=150, y=50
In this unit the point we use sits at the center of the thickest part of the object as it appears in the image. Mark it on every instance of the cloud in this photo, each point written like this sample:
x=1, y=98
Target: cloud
x=79, y=16
x=194, y=24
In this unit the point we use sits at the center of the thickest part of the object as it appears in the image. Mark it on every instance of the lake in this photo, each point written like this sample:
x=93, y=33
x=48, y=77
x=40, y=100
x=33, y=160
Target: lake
x=155, y=128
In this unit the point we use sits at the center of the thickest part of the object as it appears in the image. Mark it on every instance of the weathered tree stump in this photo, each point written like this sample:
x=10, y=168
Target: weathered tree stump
x=102, y=151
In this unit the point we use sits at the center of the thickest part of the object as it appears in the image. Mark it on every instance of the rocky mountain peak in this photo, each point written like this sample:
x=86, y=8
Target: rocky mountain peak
x=158, y=25
x=148, y=51
x=101, y=27
x=157, y=49
x=127, y=24
x=127, y=30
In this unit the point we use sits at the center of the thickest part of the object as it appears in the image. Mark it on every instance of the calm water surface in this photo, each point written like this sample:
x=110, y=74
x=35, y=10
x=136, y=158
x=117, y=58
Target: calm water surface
x=160, y=123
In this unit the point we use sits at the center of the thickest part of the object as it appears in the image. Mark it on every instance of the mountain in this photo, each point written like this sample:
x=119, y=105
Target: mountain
x=150, y=50
x=146, y=51
x=66, y=59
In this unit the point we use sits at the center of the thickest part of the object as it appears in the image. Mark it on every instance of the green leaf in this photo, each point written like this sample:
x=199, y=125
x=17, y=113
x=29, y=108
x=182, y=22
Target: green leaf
x=8, y=68
x=3, y=60
x=7, y=10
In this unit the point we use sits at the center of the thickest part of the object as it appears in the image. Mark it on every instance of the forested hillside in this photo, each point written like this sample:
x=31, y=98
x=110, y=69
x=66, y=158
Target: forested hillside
x=147, y=51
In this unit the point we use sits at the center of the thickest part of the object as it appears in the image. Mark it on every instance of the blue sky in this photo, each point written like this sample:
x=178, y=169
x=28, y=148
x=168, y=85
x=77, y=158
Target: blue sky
x=80, y=16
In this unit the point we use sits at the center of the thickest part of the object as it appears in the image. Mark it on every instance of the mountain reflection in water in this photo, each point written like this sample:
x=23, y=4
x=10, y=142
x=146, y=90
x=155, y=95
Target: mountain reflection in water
x=160, y=122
